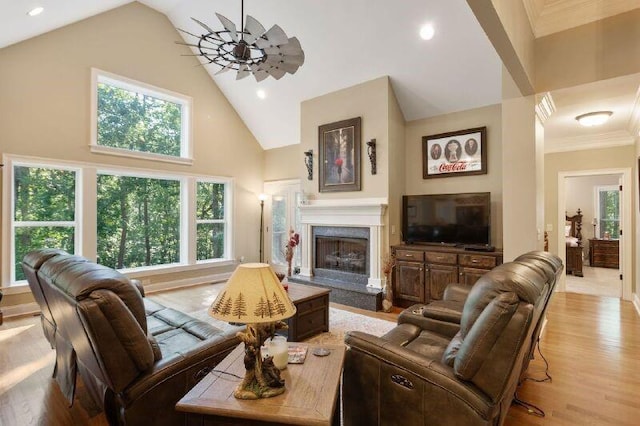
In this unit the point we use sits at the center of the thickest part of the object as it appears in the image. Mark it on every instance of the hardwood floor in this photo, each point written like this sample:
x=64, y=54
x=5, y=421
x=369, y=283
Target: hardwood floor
x=592, y=345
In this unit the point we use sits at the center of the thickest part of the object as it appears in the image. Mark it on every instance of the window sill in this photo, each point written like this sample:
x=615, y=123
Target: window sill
x=21, y=287
x=118, y=152
x=174, y=268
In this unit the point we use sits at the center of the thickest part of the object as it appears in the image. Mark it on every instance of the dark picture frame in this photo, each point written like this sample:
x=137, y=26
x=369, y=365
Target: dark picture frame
x=339, y=146
x=459, y=153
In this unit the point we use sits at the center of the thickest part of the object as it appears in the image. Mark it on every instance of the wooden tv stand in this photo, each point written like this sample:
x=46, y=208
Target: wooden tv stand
x=422, y=272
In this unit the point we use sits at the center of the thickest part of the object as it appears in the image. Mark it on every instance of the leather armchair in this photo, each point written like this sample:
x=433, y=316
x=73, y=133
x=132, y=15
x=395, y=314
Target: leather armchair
x=468, y=378
x=136, y=357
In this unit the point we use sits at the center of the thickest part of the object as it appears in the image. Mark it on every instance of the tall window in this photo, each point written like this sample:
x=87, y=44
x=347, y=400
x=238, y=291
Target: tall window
x=138, y=221
x=124, y=219
x=609, y=211
x=138, y=119
x=210, y=220
x=44, y=211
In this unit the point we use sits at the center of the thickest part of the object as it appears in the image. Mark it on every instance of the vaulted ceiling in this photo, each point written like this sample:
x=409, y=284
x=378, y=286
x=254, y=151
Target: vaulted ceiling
x=349, y=42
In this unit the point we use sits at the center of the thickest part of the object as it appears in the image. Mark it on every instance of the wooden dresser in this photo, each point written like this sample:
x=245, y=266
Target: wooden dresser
x=604, y=253
x=422, y=272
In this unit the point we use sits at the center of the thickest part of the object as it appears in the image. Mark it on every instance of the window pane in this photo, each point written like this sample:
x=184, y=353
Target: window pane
x=32, y=238
x=609, y=213
x=43, y=194
x=210, y=201
x=210, y=241
x=138, y=221
x=280, y=232
x=138, y=122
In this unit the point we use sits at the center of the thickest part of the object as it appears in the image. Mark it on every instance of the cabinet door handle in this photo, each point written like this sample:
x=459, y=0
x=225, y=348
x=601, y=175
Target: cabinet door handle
x=461, y=274
x=475, y=261
x=408, y=255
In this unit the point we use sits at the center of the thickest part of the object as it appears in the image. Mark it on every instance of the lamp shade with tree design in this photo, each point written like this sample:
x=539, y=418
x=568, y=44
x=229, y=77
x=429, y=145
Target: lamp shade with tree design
x=254, y=296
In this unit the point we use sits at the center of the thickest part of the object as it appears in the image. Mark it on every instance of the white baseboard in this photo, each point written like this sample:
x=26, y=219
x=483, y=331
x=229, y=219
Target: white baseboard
x=636, y=303
x=23, y=309
x=187, y=282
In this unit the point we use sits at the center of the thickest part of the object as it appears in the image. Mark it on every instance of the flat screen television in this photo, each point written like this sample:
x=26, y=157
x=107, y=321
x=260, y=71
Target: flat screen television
x=452, y=219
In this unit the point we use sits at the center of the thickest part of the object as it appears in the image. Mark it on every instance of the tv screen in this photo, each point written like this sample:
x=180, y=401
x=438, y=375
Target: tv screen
x=455, y=219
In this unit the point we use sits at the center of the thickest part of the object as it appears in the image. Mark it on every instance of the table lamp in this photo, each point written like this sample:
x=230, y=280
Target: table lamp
x=254, y=296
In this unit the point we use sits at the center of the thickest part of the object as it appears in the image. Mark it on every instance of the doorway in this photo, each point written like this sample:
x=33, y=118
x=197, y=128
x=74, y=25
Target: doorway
x=605, y=210
x=281, y=215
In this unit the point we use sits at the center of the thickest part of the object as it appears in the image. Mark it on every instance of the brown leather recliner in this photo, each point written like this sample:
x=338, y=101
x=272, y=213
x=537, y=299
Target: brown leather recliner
x=30, y=265
x=466, y=379
x=136, y=357
x=446, y=314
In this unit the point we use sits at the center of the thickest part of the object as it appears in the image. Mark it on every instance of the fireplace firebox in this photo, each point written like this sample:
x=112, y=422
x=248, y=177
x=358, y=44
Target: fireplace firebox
x=341, y=254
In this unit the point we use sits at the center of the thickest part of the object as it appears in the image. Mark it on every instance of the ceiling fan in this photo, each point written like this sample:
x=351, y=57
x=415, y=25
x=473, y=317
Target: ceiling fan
x=253, y=50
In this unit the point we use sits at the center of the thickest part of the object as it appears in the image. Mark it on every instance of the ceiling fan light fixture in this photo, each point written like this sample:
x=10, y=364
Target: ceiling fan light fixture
x=252, y=50
x=595, y=118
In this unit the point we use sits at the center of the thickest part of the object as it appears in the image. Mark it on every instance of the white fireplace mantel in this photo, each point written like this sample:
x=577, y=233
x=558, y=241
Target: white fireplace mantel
x=359, y=212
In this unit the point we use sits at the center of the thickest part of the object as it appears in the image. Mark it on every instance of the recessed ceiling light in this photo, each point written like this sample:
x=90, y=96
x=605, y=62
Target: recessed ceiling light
x=35, y=11
x=596, y=118
x=427, y=32
x=261, y=94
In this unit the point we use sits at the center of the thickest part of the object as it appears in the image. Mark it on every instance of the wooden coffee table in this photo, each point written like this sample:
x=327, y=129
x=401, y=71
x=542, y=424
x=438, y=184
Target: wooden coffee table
x=311, y=396
x=312, y=311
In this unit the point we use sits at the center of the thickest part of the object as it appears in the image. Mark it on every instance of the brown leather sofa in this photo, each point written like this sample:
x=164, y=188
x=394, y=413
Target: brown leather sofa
x=136, y=357
x=440, y=376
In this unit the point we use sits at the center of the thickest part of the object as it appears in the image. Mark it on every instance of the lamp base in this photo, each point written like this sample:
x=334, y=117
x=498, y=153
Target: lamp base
x=262, y=379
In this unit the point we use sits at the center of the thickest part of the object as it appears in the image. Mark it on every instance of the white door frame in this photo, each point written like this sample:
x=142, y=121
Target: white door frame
x=625, y=224
x=271, y=188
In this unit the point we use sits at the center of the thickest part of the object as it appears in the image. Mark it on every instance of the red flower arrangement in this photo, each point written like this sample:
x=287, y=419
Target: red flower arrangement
x=294, y=240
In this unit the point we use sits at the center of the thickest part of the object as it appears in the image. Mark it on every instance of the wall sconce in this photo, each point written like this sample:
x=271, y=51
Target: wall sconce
x=371, y=151
x=308, y=161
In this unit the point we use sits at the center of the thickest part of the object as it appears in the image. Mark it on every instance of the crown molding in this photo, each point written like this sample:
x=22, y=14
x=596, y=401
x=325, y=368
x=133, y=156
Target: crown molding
x=545, y=107
x=579, y=143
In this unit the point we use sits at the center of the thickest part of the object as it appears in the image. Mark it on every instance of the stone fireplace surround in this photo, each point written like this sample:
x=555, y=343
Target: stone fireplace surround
x=365, y=213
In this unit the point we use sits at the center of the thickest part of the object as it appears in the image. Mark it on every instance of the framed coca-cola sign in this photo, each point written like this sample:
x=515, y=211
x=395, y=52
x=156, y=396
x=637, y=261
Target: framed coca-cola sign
x=460, y=153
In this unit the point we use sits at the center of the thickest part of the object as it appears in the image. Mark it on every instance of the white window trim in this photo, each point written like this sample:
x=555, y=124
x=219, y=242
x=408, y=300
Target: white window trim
x=186, y=139
x=228, y=203
x=86, y=222
x=8, y=244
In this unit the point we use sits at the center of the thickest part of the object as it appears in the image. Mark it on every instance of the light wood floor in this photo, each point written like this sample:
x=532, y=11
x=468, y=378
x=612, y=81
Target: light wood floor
x=592, y=344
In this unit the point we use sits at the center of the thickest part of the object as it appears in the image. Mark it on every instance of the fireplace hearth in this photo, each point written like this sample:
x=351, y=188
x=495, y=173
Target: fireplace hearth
x=342, y=247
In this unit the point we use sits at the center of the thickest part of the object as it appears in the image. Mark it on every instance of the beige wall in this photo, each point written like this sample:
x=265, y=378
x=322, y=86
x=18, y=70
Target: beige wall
x=368, y=100
x=491, y=182
x=507, y=26
x=591, y=52
x=519, y=171
x=284, y=163
x=395, y=152
x=594, y=159
x=45, y=103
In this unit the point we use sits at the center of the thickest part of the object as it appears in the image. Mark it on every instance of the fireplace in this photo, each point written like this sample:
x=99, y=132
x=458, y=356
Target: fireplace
x=341, y=253
x=342, y=247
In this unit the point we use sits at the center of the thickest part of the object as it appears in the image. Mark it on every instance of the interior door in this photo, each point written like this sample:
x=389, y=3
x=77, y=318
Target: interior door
x=282, y=215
